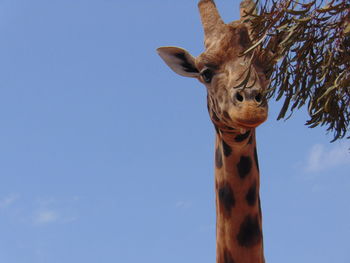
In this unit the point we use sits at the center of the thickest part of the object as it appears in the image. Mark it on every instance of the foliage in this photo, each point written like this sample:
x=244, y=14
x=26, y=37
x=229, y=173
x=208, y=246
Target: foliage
x=311, y=41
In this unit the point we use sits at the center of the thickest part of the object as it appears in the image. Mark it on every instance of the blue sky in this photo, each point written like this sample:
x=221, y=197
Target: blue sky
x=107, y=155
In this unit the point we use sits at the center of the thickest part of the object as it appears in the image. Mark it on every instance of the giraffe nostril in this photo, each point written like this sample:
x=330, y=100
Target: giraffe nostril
x=239, y=97
x=258, y=97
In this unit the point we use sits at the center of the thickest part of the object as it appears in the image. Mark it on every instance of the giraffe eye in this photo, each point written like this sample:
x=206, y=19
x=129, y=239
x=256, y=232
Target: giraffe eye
x=207, y=75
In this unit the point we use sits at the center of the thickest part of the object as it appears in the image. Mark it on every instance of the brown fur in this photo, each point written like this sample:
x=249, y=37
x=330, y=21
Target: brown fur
x=225, y=44
x=236, y=106
x=228, y=226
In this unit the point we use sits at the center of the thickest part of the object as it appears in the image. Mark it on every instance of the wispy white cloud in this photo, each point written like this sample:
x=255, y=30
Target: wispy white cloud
x=51, y=210
x=323, y=157
x=42, y=211
x=9, y=200
x=45, y=217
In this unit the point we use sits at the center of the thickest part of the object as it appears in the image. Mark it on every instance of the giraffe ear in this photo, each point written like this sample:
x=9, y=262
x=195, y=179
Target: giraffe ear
x=179, y=60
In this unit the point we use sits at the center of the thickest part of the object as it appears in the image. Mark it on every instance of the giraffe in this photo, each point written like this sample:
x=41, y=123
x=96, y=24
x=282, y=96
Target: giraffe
x=237, y=105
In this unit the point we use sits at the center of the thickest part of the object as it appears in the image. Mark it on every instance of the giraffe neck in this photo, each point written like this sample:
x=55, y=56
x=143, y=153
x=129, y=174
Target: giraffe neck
x=238, y=213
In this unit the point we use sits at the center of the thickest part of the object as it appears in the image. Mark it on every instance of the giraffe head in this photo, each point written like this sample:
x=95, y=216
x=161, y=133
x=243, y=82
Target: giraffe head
x=235, y=83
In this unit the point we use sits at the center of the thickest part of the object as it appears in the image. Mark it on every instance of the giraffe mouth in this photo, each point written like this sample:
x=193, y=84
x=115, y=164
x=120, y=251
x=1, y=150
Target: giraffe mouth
x=248, y=124
x=249, y=116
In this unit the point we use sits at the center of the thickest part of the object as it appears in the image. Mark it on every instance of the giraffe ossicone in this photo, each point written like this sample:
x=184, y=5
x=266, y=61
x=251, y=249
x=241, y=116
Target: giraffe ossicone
x=236, y=86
